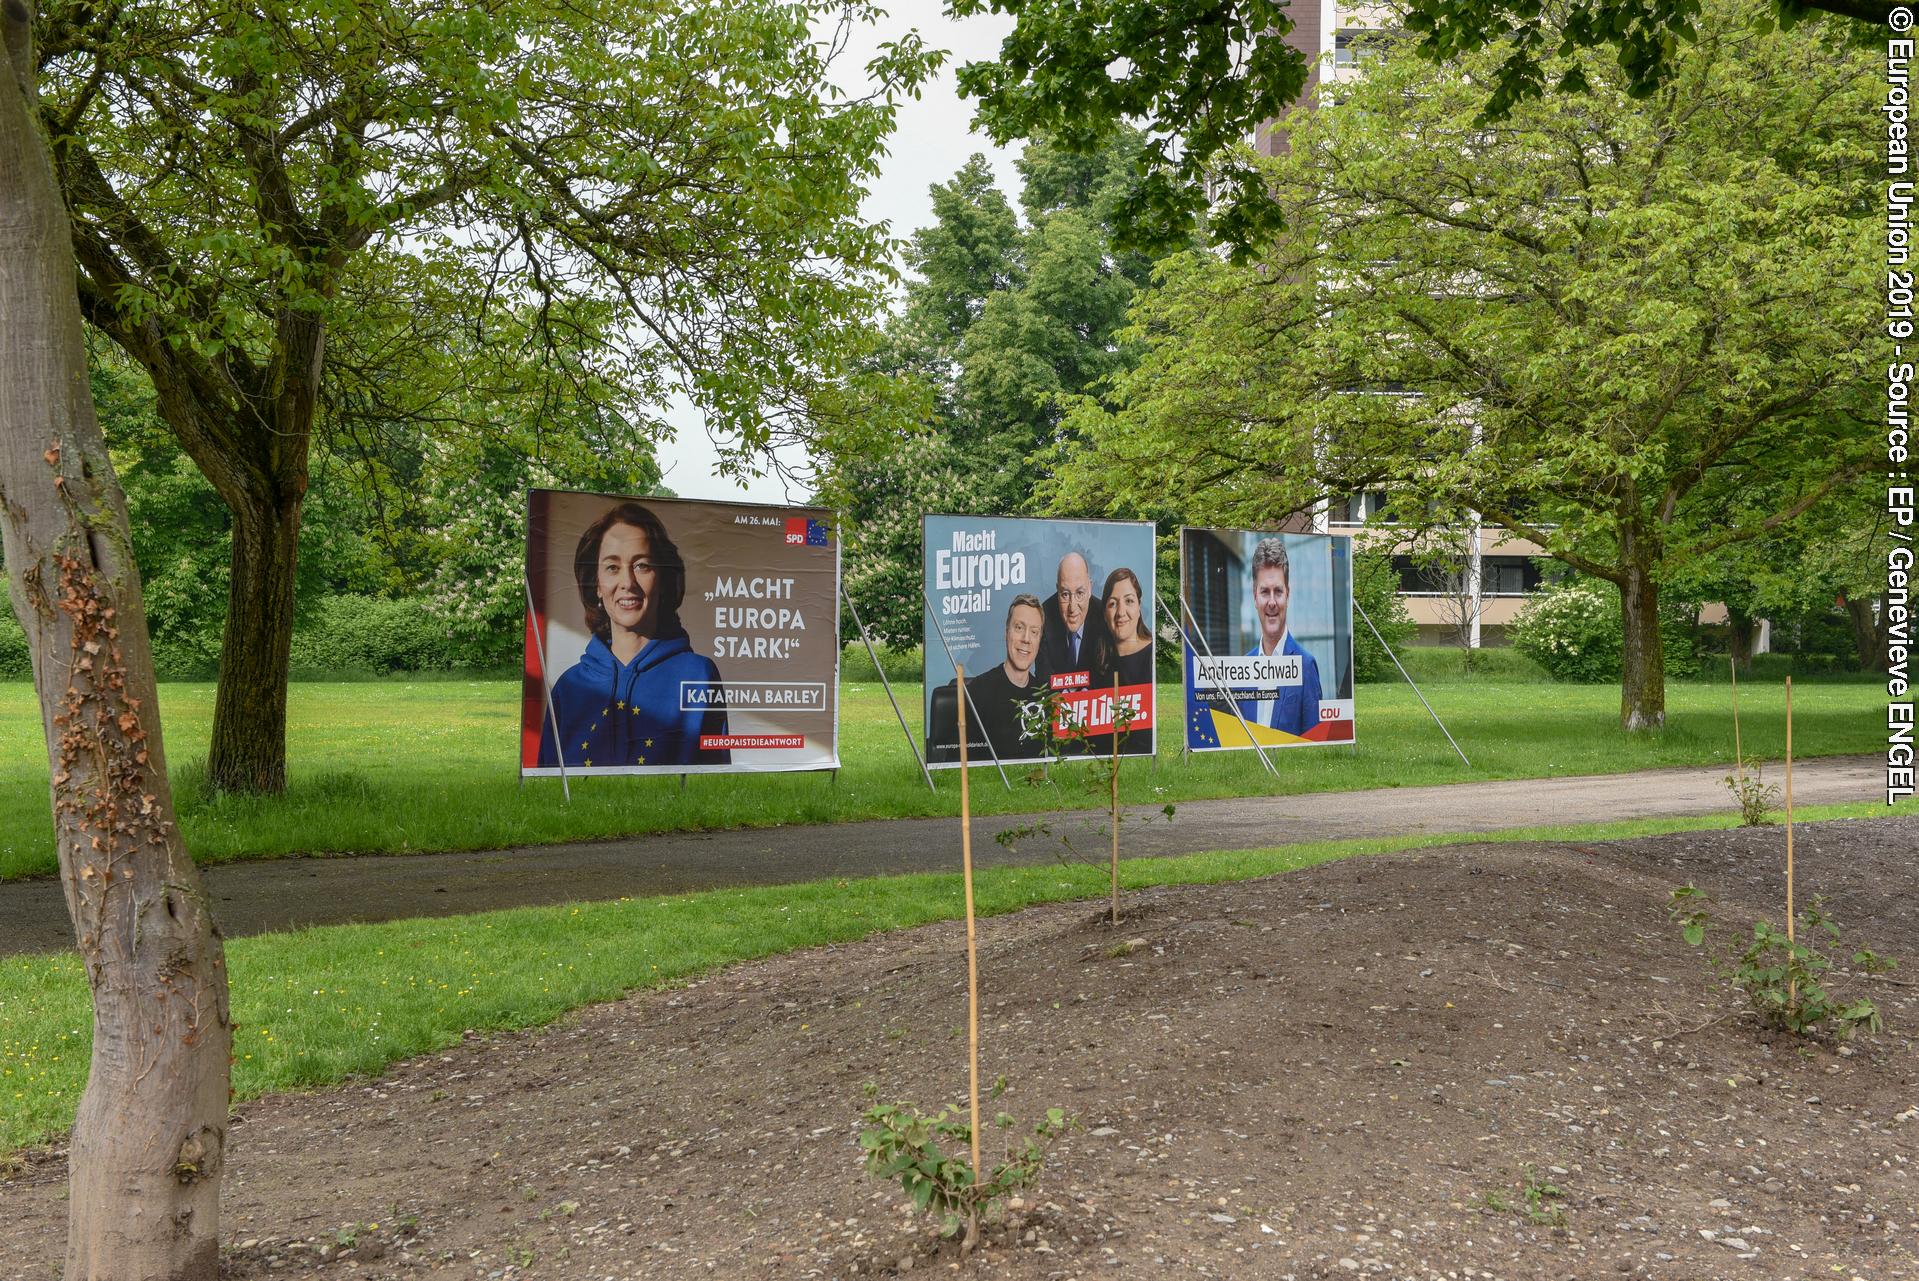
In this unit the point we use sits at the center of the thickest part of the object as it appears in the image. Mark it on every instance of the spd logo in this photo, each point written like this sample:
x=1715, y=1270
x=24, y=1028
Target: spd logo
x=801, y=532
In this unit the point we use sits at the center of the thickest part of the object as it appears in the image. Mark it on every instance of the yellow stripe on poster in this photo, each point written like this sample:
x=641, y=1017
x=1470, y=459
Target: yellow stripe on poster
x=1230, y=733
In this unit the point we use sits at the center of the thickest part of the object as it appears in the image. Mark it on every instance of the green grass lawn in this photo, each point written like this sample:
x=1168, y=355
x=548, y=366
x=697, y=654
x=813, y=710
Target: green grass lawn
x=396, y=765
x=316, y=1006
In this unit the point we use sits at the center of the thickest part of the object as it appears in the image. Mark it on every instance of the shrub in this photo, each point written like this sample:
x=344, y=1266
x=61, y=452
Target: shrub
x=1574, y=630
x=902, y=666
x=16, y=664
x=372, y=634
x=1493, y=663
x=1376, y=590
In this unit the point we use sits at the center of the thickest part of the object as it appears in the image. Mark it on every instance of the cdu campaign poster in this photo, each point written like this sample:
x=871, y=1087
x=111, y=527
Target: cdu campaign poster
x=1269, y=658
x=665, y=636
x=1032, y=609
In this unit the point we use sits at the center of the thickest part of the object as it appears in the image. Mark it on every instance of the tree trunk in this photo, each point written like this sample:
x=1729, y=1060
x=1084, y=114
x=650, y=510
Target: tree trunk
x=149, y=1140
x=1740, y=628
x=248, y=752
x=1869, y=634
x=1642, y=674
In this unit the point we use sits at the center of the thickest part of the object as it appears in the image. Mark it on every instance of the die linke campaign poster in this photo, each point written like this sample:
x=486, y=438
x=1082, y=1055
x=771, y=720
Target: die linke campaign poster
x=666, y=636
x=1270, y=655
x=1030, y=608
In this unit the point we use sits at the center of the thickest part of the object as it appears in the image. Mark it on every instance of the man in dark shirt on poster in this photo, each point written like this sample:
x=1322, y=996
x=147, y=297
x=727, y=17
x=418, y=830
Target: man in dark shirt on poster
x=1000, y=693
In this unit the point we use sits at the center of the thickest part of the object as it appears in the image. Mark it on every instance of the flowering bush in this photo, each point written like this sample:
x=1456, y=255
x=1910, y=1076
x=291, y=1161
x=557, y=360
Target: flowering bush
x=1574, y=630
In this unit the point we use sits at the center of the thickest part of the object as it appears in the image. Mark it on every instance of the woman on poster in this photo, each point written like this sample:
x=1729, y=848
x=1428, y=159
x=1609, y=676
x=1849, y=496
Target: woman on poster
x=1126, y=649
x=639, y=694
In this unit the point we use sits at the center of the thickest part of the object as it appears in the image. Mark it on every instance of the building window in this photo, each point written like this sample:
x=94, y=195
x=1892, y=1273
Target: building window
x=1353, y=45
x=1508, y=576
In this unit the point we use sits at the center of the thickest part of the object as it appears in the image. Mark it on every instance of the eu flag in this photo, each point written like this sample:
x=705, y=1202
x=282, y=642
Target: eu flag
x=1201, y=732
x=816, y=533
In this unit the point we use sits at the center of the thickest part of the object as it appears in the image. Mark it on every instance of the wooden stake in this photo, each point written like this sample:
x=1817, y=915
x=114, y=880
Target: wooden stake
x=1738, y=753
x=1791, y=988
x=1115, y=799
x=972, y=952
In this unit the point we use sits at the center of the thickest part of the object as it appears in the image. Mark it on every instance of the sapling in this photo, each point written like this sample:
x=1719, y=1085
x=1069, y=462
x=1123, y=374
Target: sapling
x=929, y=1157
x=1048, y=719
x=1783, y=974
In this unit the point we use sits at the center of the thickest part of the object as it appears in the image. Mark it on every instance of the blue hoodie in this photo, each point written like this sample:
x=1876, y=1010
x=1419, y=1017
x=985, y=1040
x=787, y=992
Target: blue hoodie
x=613, y=713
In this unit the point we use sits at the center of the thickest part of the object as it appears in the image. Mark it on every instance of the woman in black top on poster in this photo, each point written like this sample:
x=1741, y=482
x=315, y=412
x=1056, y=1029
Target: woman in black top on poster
x=1127, y=647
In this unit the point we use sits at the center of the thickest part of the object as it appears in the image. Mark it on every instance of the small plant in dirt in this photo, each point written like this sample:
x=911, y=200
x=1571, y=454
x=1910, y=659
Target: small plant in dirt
x=1050, y=720
x=1781, y=974
x=1538, y=1201
x=928, y=1156
x=1757, y=798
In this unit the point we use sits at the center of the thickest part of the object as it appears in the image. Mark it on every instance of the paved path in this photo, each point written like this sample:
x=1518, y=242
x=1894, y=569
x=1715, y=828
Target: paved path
x=279, y=894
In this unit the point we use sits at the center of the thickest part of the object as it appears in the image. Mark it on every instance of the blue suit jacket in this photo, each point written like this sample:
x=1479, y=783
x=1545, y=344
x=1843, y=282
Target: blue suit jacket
x=1296, y=707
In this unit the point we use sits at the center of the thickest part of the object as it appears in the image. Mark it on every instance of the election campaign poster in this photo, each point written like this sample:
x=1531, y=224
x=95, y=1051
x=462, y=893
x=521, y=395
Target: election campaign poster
x=1269, y=655
x=1045, y=616
x=665, y=636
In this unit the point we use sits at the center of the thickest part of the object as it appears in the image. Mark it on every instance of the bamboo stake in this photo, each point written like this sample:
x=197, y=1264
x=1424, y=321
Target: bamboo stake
x=1738, y=753
x=972, y=953
x=1792, y=988
x=1115, y=823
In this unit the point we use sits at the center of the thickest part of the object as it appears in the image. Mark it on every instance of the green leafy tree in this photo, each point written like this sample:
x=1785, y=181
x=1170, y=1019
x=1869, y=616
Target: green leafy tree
x=1001, y=323
x=1828, y=564
x=1200, y=76
x=287, y=212
x=1631, y=330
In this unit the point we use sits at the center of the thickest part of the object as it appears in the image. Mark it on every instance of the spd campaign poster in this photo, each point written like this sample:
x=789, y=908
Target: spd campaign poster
x=666, y=636
x=1032, y=609
x=1270, y=655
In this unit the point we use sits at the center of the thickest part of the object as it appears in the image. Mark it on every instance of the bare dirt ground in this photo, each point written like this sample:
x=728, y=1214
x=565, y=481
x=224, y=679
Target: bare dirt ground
x=1352, y=1070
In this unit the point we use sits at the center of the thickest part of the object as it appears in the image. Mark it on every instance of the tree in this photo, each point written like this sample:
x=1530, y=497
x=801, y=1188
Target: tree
x=285, y=211
x=149, y=1139
x=1633, y=331
x=1830, y=561
x=999, y=324
x=1202, y=75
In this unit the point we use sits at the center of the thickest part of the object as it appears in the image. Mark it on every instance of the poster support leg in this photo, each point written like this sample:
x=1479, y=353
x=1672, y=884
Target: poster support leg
x=965, y=693
x=682, y=785
x=886, y=685
x=1361, y=610
x=1234, y=701
x=546, y=690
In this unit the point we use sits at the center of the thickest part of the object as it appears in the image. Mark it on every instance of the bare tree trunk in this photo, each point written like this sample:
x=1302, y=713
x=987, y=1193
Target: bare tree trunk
x=149, y=1140
x=1739, y=636
x=1869, y=634
x=1642, y=674
x=248, y=751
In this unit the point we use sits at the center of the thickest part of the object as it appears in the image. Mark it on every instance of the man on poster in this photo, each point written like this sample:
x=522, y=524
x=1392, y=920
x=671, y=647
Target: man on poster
x=1075, y=620
x=1001, y=693
x=1291, y=709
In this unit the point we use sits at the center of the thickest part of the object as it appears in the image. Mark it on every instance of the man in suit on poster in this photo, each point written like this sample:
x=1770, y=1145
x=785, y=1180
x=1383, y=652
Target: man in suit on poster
x=1291, y=709
x=1075, y=620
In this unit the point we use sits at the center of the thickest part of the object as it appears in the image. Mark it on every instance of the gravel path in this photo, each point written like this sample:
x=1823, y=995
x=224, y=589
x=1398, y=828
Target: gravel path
x=287, y=893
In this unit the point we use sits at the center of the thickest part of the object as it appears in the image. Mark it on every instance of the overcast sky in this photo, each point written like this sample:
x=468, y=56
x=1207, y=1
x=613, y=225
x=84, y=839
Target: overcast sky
x=932, y=140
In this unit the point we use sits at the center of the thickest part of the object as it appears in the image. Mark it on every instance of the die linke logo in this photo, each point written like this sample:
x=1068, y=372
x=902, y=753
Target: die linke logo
x=801, y=532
